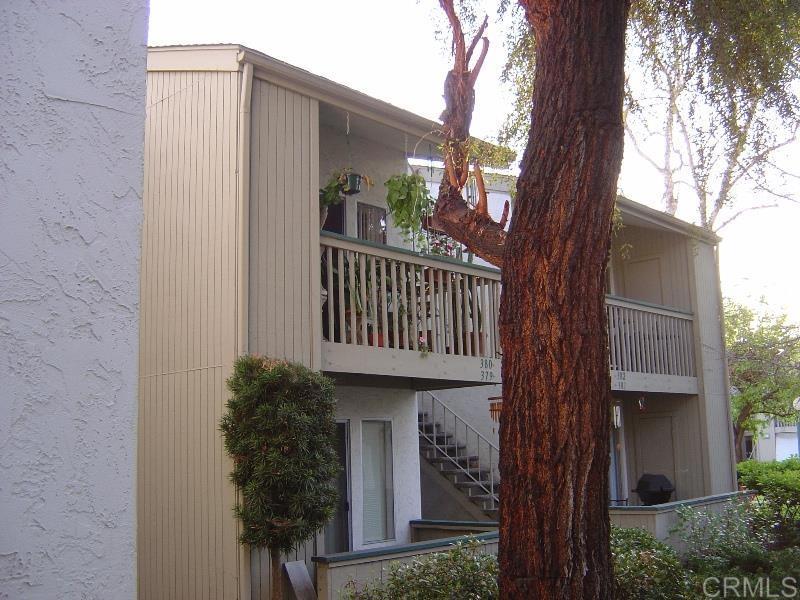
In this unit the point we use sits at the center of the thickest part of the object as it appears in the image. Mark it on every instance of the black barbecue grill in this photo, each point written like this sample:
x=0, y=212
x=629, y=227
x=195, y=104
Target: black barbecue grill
x=654, y=489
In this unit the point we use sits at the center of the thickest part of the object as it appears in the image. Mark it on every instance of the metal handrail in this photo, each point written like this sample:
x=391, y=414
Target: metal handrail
x=475, y=445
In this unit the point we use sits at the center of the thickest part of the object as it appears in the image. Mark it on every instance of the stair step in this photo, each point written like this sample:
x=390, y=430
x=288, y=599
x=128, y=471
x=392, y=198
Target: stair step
x=443, y=447
x=429, y=427
x=475, y=484
x=479, y=497
x=447, y=459
x=436, y=437
x=470, y=471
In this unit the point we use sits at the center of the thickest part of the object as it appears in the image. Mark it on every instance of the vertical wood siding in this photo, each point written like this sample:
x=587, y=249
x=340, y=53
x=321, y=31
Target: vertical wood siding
x=187, y=534
x=284, y=302
x=261, y=574
x=664, y=259
x=714, y=393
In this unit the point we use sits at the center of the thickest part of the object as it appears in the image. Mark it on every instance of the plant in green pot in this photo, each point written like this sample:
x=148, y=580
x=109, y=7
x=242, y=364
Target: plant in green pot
x=344, y=182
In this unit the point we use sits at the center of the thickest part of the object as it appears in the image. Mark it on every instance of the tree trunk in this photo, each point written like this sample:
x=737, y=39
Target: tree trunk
x=738, y=438
x=554, y=526
x=276, y=572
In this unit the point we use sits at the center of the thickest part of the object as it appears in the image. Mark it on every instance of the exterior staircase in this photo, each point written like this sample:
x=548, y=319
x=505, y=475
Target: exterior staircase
x=460, y=453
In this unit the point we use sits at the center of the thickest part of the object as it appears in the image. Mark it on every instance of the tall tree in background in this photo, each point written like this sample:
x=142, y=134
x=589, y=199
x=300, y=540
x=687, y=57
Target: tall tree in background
x=712, y=99
x=554, y=528
x=764, y=366
x=720, y=107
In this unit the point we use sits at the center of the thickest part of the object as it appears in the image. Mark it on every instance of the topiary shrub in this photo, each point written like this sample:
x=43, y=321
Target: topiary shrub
x=279, y=430
x=463, y=573
x=645, y=568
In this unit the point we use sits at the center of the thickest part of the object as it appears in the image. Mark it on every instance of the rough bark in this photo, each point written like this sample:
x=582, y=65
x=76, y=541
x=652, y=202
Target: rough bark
x=554, y=460
x=554, y=437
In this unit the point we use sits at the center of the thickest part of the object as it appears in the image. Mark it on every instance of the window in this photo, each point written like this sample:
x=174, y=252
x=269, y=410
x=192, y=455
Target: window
x=376, y=453
x=371, y=223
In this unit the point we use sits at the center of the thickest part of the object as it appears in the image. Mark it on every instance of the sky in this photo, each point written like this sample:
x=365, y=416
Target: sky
x=390, y=49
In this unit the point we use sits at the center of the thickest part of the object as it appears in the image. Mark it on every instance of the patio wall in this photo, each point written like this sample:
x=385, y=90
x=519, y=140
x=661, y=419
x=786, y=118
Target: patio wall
x=660, y=519
x=336, y=571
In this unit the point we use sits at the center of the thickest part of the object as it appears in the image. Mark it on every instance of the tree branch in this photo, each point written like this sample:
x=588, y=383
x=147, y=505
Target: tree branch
x=472, y=227
x=741, y=212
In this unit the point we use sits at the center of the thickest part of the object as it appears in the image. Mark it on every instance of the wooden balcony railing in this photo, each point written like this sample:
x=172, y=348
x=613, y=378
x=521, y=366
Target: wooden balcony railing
x=392, y=298
x=649, y=339
x=389, y=298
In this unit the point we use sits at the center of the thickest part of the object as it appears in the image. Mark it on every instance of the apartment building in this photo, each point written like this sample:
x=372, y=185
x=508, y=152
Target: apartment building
x=235, y=260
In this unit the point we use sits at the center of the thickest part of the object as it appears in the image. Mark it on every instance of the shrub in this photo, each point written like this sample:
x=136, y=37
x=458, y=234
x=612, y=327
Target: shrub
x=462, y=573
x=279, y=429
x=645, y=568
x=778, y=487
x=734, y=537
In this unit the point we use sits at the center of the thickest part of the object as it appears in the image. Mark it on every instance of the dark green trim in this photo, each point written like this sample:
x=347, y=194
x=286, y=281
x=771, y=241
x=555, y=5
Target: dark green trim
x=679, y=503
x=433, y=257
x=404, y=548
x=445, y=523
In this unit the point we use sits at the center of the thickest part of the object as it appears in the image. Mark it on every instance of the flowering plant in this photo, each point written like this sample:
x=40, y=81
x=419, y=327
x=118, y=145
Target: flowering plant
x=442, y=245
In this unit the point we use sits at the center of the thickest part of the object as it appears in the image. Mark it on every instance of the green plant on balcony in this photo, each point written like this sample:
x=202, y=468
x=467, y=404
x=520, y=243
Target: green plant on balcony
x=342, y=183
x=410, y=204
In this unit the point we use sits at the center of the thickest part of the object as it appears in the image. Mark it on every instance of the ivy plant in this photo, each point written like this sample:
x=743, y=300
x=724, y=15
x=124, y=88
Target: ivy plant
x=410, y=203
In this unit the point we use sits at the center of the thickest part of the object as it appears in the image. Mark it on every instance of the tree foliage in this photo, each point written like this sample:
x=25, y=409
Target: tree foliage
x=764, y=366
x=279, y=429
x=716, y=88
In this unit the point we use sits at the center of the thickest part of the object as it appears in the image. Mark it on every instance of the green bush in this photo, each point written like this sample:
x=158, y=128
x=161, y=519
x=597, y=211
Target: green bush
x=279, y=429
x=645, y=568
x=462, y=573
x=736, y=536
x=778, y=487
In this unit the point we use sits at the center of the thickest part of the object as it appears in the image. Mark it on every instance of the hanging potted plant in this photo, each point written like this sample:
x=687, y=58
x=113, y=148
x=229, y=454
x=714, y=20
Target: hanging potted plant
x=410, y=204
x=341, y=183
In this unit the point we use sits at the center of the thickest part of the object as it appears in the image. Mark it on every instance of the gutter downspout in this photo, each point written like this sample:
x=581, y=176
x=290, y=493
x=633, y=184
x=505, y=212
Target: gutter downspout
x=243, y=262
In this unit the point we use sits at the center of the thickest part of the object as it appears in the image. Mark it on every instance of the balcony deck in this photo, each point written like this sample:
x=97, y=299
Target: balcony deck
x=651, y=348
x=432, y=321
x=395, y=313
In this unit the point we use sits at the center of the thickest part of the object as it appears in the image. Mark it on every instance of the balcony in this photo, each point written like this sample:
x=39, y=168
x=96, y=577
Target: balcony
x=389, y=312
x=651, y=348
x=394, y=313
